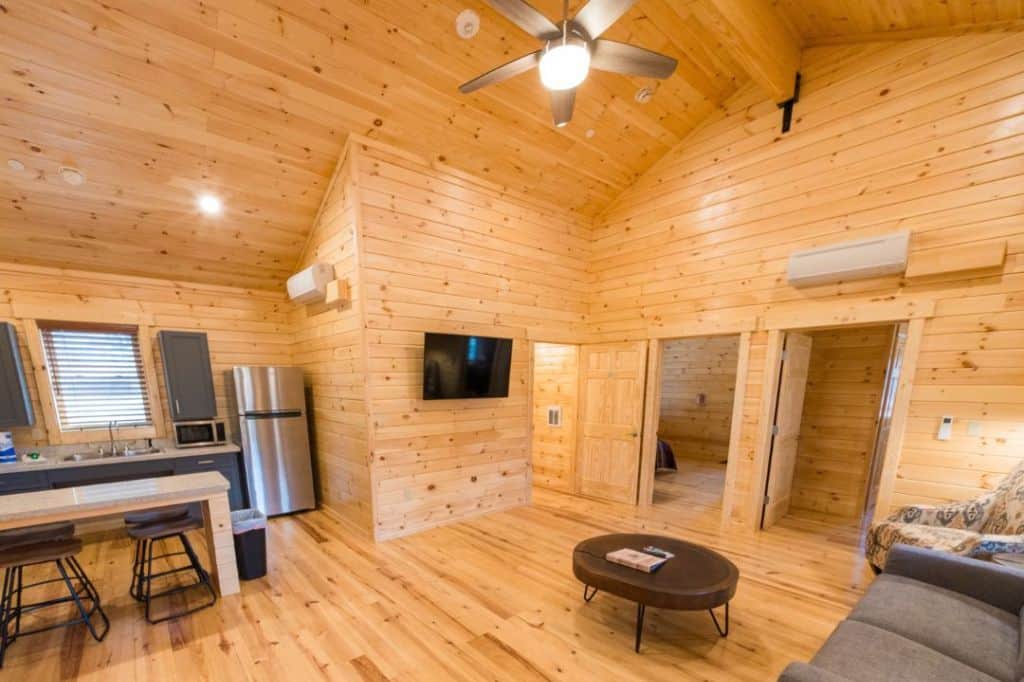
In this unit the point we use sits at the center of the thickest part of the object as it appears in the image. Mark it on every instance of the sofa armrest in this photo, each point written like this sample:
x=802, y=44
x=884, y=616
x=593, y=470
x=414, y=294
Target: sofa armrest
x=805, y=672
x=963, y=514
x=999, y=586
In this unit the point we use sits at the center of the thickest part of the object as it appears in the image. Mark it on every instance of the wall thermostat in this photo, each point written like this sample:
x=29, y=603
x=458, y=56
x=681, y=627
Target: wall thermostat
x=945, y=428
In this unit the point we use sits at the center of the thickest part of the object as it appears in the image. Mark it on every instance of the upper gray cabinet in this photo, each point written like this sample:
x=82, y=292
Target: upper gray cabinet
x=186, y=357
x=15, y=404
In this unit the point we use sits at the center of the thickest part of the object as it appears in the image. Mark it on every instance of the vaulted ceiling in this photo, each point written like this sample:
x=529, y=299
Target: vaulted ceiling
x=157, y=102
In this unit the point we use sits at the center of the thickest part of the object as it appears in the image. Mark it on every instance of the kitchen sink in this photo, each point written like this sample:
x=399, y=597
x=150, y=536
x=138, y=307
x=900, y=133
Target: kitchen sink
x=128, y=452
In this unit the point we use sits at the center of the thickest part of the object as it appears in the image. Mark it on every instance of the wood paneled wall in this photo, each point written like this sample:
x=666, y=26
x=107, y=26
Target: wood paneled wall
x=435, y=250
x=447, y=252
x=922, y=135
x=556, y=382
x=840, y=417
x=690, y=368
x=243, y=326
x=330, y=346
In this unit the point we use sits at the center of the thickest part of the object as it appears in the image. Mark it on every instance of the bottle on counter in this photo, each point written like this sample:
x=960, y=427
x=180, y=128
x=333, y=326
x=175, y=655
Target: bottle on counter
x=7, y=454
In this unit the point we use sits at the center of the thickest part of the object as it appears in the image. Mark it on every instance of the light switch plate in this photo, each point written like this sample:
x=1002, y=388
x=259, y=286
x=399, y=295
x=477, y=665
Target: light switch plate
x=945, y=428
x=973, y=428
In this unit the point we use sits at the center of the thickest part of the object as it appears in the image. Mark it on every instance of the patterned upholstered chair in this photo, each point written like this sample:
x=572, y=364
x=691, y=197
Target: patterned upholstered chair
x=986, y=525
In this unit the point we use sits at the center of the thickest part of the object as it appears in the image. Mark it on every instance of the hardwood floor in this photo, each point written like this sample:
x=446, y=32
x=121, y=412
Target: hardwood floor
x=488, y=599
x=696, y=484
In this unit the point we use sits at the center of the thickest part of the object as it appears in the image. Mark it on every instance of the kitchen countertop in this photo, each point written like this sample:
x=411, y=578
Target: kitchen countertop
x=169, y=453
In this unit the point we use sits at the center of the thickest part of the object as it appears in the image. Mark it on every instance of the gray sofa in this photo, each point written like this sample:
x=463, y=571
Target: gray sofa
x=929, y=616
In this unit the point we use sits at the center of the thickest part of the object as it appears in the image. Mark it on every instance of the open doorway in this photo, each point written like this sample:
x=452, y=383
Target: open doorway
x=695, y=408
x=832, y=411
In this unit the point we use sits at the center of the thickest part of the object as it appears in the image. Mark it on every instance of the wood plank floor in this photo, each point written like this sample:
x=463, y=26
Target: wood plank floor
x=489, y=599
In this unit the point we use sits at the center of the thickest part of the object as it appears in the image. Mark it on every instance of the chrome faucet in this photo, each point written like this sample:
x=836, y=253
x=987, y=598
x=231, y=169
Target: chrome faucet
x=111, y=428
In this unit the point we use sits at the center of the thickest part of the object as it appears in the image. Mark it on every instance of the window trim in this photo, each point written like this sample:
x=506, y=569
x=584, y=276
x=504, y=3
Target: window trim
x=45, y=388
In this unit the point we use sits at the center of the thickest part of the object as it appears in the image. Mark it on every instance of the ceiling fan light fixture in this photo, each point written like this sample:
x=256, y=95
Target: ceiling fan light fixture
x=564, y=66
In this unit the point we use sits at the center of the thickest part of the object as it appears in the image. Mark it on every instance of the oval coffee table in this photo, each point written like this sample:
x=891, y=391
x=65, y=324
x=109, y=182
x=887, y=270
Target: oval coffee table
x=695, y=579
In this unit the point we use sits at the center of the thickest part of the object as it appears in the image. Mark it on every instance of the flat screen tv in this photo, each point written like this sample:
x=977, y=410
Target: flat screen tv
x=457, y=366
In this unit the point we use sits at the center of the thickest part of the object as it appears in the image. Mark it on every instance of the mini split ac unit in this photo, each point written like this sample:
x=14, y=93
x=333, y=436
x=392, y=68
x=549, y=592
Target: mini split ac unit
x=860, y=259
x=310, y=285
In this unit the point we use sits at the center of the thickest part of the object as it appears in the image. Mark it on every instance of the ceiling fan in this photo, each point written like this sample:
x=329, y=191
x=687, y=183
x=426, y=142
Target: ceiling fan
x=571, y=49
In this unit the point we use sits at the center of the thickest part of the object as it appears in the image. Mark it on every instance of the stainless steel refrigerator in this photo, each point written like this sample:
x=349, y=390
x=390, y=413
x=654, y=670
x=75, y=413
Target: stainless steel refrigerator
x=271, y=408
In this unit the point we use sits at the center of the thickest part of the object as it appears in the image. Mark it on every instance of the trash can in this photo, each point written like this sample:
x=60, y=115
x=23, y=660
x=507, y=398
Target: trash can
x=250, y=530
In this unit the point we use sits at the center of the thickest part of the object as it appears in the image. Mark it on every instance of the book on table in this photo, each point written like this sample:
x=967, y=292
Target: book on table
x=635, y=559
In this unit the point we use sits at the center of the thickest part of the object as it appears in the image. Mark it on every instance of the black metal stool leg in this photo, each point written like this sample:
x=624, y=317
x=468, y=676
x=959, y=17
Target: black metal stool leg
x=6, y=599
x=640, y=610
x=78, y=603
x=592, y=594
x=94, y=596
x=721, y=632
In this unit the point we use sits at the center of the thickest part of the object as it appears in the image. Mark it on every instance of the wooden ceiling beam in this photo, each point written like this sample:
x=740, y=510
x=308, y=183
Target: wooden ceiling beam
x=761, y=41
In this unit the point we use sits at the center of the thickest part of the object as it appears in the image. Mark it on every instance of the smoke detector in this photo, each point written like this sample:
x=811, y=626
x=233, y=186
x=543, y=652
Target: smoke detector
x=467, y=24
x=644, y=95
x=72, y=176
x=15, y=165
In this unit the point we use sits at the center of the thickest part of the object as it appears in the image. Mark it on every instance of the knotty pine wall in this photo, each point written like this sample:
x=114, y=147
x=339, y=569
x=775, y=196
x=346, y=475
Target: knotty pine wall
x=330, y=346
x=447, y=252
x=690, y=367
x=243, y=326
x=556, y=382
x=840, y=416
x=922, y=135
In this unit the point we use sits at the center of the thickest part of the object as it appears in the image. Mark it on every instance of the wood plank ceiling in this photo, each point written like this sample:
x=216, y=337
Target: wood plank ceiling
x=157, y=102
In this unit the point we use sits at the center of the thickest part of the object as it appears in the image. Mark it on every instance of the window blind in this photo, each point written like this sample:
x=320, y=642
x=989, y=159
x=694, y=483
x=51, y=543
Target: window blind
x=96, y=374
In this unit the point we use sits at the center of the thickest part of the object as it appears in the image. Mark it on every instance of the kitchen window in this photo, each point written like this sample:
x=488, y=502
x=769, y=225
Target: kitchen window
x=97, y=374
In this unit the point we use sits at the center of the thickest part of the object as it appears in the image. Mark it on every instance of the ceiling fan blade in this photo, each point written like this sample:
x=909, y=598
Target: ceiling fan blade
x=503, y=72
x=608, y=55
x=597, y=15
x=527, y=18
x=562, y=103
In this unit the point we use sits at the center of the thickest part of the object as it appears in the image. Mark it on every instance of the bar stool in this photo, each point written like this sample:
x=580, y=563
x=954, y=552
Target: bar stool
x=168, y=524
x=139, y=518
x=39, y=545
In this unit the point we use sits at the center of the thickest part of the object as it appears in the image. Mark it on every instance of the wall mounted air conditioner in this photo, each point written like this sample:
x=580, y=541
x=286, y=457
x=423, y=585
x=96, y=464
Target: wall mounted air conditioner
x=860, y=259
x=310, y=285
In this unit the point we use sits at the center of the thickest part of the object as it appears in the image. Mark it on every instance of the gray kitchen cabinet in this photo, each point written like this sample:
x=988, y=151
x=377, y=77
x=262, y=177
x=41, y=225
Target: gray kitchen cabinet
x=187, y=373
x=15, y=404
x=228, y=465
x=127, y=470
x=23, y=482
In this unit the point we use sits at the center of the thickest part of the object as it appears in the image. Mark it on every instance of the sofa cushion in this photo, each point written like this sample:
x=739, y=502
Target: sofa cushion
x=975, y=633
x=864, y=653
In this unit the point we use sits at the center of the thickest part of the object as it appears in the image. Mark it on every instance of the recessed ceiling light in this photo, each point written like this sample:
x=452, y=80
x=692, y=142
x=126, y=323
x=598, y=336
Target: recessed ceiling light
x=72, y=176
x=15, y=165
x=210, y=205
x=590, y=133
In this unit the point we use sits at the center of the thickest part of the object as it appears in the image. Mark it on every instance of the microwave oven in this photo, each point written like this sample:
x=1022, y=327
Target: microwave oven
x=197, y=434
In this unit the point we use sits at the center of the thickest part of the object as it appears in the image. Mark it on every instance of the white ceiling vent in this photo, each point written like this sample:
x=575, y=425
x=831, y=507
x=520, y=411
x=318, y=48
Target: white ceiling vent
x=860, y=259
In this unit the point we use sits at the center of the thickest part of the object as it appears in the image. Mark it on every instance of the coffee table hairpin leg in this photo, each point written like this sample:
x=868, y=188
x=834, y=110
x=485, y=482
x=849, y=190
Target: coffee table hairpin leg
x=585, y=597
x=721, y=632
x=641, y=610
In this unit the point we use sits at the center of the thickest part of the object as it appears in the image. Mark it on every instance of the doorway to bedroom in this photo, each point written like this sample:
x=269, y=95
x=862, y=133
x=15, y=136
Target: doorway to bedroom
x=696, y=396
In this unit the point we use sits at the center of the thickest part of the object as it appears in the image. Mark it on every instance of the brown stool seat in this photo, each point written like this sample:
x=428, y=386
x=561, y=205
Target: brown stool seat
x=61, y=530
x=155, y=531
x=156, y=515
x=23, y=555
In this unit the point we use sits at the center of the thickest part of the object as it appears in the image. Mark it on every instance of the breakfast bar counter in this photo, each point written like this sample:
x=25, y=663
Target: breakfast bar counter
x=209, y=488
